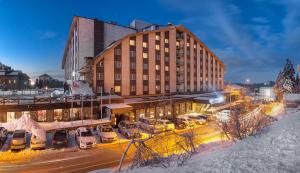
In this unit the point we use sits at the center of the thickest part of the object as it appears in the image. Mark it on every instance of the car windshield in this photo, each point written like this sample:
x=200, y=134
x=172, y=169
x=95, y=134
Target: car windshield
x=107, y=129
x=60, y=134
x=19, y=135
x=130, y=126
x=86, y=133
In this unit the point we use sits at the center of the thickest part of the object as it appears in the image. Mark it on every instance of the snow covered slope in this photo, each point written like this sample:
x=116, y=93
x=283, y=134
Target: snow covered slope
x=276, y=149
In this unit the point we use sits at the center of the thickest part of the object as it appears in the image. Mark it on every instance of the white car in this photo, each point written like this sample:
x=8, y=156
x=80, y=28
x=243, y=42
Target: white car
x=223, y=116
x=106, y=133
x=84, y=138
x=187, y=121
x=38, y=139
x=167, y=124
x=150, y=125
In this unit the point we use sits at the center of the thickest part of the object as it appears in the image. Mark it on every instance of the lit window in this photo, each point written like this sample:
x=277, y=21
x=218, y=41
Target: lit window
x=145, y=77
x=166, y=49
x=187, y=44
x=132, y=42
x=117, y=88
x=195, y=46
x=145, y=44
x=157, y=67
x=166, y=40
x=177, y=43
x=157, y=47
x=157, y=37
x=166, y=68
x=145, y=55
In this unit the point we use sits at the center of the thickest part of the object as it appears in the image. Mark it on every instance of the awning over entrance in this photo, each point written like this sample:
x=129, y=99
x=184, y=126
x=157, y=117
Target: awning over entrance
x=119, y=108
x=210, y=100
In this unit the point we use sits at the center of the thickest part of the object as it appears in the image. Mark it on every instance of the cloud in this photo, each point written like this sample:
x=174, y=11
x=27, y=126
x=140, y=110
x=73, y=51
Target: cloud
x=47, y=35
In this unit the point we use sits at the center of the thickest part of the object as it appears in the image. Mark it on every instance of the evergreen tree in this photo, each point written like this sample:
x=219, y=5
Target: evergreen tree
x=286, y=80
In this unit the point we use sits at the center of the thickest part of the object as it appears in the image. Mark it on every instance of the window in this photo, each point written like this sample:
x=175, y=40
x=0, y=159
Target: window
x=177, y=43
x=145, y=87
x=157, y=87
x=157, y=47
x=157, y=67
x=132, y=42
x=132, y=88
x=132, y=76
x=157, y=37
x=166, y=40
x=118, y=64
x=117, y=88
x=132, y=65
x=166, y=49
x=117, y=76
x=145, y=55
x=100, y=76
x=118, y=51
x=166, y=68
x=195, y=45
x=187, y=44
x=145, y=66
x=167, y=78
x=157, y=56
x=145, y=44
x=166, y=58
x=167, y=87
x=100, y=64
x=145, y=77
x=157, y=77
x=132, y=53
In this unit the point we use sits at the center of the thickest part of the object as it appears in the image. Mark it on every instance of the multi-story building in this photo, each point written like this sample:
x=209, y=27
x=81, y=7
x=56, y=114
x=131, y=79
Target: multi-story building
x=87, y=38
x=169, y=59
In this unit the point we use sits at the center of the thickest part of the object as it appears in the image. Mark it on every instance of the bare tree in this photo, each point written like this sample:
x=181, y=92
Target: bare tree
x=161, y=150
x=239, y=126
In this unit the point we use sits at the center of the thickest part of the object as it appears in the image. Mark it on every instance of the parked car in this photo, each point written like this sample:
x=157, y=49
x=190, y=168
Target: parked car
x=85, y=138
x=150, y=125
x=223, y=116
x=179, y=124
x=128, y=129
x=60, y=139
x=199, y=119
x=18, y=141
x=106, y=133
x=3, y=136
x=189, y=123
x=168, y=125
x=38, y=139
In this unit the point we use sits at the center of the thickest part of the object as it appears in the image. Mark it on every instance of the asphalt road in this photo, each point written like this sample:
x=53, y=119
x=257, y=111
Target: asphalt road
x=104, y=156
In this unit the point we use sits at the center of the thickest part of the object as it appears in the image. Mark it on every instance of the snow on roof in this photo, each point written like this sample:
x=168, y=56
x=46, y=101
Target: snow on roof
x=291, y=97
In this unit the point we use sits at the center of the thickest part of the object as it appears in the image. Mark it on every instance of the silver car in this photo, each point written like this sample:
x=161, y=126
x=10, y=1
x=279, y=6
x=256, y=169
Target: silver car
x=128, y=129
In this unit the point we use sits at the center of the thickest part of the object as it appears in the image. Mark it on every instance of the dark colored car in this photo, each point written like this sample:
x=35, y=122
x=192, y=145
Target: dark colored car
x=3, y=136
x=60, y=139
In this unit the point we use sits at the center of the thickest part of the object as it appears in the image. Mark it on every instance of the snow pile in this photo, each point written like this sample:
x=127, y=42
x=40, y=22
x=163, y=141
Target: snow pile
x=276, y=149
x=291, y=97
x=27, y=124
x=80, y=88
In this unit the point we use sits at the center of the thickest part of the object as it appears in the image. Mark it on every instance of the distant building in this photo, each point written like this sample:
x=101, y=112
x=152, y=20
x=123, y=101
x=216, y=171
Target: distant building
x=11, y=79
x=46, y=80
x=267, y=94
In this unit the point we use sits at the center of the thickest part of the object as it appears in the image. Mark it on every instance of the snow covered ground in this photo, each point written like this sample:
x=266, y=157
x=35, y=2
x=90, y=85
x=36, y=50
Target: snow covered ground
x=276, y=149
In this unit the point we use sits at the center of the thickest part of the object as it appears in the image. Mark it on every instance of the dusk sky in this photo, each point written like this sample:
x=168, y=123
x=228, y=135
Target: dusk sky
x=253, y=38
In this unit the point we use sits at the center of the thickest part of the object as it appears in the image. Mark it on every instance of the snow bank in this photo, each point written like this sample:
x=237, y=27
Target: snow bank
x=276, y=149
x=25, y=123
